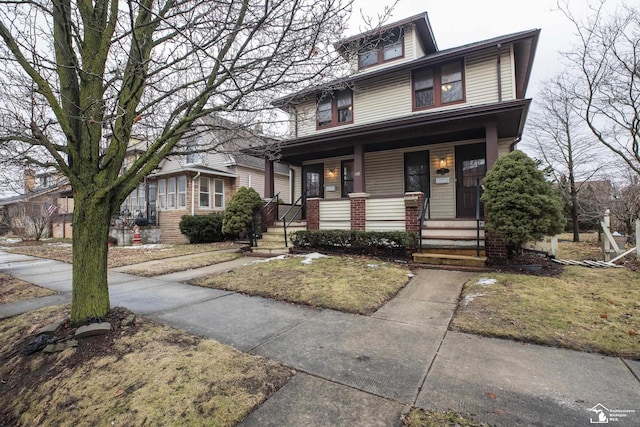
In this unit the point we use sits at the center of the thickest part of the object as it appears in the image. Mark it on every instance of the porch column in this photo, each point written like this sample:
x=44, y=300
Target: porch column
x=412, y=208
x=358, y=211
x=313, y=214
x=358, y=169
x=491, y=132
x=269, y=186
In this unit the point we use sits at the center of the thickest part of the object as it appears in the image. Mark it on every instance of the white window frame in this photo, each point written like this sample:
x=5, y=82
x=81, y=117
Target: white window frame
x=203, y=193
x=217, y=194
x=161, y=195
x=171, y=193
x=182, y=192
x=193, y=158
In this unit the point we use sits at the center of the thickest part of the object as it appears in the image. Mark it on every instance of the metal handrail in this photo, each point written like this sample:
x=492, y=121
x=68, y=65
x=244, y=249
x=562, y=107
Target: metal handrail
x=478, y=217
x=426, y=209
x=253, y=239
x=303, y=199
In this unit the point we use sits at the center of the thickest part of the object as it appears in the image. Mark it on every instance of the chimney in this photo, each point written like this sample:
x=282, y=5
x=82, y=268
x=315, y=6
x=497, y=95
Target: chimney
x=29, y=180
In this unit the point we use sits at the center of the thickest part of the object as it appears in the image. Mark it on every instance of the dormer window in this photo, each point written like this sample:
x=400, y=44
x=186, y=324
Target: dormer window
x=389, y=47
x=436, y=86
x=336, y=109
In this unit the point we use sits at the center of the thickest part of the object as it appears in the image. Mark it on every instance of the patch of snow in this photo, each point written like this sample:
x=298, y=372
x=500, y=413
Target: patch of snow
x=148, y=246
x=9, y=240
x=373, y=265
x=485, y=281
x=470, y=297
x=410, y=275
x=260, y=261
x=308, y=258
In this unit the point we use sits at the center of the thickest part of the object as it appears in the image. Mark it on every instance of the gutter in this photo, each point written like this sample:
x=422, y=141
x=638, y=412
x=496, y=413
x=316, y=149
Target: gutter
x=499, y=71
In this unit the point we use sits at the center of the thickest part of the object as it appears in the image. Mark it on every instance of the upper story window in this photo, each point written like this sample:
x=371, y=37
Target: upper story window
x=390, y=47
x=335, y=110
x=437, y=86
x=193, y=157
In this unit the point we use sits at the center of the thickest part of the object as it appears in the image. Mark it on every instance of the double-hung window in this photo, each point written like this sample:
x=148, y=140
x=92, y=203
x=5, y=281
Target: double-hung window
x=416, y=172
x=171, y=193
x=218, y=193
x=436, y=86
x=162, y=196
x=336, y=109
x=205, y=193
x=388, y=47
x=347, y=177
x=193, y=157
x=182, y=191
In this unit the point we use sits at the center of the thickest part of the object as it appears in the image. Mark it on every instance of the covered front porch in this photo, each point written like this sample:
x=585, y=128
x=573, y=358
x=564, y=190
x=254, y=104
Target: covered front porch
x=422, y=174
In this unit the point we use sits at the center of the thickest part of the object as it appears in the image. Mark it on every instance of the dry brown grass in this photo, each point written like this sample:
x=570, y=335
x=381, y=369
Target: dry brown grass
x=587, y=248
x=14, y=290
x=122, y=255
x=583, y=309
x=155, y=375
x=351, y=284
x=420, y=418
x=157, y=268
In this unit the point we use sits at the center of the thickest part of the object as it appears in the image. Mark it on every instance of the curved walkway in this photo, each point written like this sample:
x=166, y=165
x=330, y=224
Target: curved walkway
x=368, y=370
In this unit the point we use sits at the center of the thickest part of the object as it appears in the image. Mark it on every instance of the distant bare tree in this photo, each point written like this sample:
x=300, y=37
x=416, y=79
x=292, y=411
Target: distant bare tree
x=606, y=66
x=561, y=144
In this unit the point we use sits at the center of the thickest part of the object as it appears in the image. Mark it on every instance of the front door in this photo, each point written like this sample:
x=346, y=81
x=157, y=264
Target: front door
x=471, y=166
x=313, y=181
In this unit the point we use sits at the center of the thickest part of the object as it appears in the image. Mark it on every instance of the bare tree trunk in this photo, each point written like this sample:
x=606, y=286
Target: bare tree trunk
x=90, y=297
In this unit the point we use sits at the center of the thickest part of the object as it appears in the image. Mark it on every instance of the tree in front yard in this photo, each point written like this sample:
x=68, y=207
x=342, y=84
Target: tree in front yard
x=238, y=216
x=521, y=205
x=79, y=78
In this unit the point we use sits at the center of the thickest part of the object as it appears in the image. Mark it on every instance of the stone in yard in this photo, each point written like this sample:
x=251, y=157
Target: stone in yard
x=51, y=328
x=93, y=329
x=128, y=320
x=54, y=348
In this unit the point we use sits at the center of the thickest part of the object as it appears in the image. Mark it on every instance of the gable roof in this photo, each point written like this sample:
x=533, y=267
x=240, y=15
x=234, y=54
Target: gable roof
x=525, y=43
x=421, y=22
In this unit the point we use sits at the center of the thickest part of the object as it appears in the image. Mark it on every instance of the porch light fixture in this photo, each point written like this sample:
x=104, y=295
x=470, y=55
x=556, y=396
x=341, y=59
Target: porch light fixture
x=443, y=166
x=331, y=173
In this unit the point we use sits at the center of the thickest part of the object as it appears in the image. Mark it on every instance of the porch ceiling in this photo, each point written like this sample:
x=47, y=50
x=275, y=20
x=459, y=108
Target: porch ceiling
x=422, y=129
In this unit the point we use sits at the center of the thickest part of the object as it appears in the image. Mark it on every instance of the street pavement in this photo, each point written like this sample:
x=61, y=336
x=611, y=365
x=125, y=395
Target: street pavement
x=355, y=370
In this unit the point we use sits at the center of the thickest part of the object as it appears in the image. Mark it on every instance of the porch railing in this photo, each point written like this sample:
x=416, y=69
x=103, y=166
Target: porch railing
x=424, y=211
x=296, y=210
x=478, y=217
x=254, y=235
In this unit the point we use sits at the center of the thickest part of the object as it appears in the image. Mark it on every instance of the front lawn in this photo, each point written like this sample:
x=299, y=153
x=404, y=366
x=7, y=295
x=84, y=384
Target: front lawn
x=351, y=284
x=14, y=290
x=171, y=265
x=140, y=374
x=596, y=310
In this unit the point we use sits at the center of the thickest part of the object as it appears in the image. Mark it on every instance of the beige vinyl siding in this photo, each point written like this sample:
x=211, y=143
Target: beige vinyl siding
x=481, y=77
x=442, y=202
x=387, y=214
x=335, y=214
x=418, y=49
x=254, y=178
x=508, y=73
x=297, y=182
x=504, y=146
x=384, y=172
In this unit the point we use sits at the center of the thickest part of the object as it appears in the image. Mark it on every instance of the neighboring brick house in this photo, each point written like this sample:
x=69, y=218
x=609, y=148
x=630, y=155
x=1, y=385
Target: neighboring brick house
x=199, y=183
x=45, y=207
x=412, y=124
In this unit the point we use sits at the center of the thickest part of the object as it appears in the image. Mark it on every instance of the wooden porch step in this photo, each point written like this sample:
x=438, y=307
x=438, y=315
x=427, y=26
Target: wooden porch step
x=453, y=250
x=269, y=251
x=450, y=260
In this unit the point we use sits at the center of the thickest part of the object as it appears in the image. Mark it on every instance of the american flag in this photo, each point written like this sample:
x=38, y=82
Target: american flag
x=50, y=208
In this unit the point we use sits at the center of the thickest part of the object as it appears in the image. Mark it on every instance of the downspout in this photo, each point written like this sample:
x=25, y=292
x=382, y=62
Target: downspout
x=295, y=124
x=193, y=193
x=514, y=143
x=499, y=71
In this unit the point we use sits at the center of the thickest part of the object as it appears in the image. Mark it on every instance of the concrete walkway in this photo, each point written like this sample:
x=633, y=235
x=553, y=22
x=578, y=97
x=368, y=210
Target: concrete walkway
x=368, y=370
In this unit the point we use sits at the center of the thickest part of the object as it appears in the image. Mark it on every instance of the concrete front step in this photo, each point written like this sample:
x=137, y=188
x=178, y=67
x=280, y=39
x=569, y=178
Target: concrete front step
x=453, y=250
x=452, y=241
x=454, y=260
x=269, y=251
x=452, y=223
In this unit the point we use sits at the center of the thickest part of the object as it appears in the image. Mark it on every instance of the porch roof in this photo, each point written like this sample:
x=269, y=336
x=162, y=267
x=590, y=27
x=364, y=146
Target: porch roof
x=418, y=129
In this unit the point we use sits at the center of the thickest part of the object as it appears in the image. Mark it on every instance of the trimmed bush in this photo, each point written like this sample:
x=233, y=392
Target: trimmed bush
x=239, y=213
x=378, y=243
x=202, y=228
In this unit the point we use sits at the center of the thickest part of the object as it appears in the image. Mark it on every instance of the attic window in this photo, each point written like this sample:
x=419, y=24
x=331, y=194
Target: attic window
x=387, y=48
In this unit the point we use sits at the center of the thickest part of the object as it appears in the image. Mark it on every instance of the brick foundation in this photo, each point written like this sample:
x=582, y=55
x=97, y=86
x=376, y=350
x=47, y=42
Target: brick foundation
x=495, y=248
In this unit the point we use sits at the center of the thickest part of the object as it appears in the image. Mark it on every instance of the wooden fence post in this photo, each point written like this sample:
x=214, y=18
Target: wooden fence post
x=605, y=228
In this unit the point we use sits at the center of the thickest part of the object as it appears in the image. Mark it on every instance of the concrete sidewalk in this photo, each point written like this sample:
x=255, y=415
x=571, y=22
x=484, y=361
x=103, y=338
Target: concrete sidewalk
x=368, y=370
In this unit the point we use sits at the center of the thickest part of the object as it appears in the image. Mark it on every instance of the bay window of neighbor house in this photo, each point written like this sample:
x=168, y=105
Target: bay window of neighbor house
x=335, y=110
x=437, y=86
x=171, y=193
x=142, y=204
x=204, y=193
x=218, y=193
x=347, y=177
x=162, y=196
x=182, y=191
x=416, y=172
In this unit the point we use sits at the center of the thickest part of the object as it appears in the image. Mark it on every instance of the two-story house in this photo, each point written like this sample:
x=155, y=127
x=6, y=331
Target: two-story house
x=412, y=128
x=201, y=176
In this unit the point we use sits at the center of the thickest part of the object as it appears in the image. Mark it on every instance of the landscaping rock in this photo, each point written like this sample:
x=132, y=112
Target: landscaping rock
x=128, y=320
x=93, y=329
x=52, y=328
x=61, y=346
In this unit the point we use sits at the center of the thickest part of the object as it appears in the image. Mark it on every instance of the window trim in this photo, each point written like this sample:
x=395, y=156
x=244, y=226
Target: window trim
x=161, y=201
x=379, y=49
x=193, y=158
x=171, y=194
x=334, y=110
x=437, y=86
x=342, y=180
